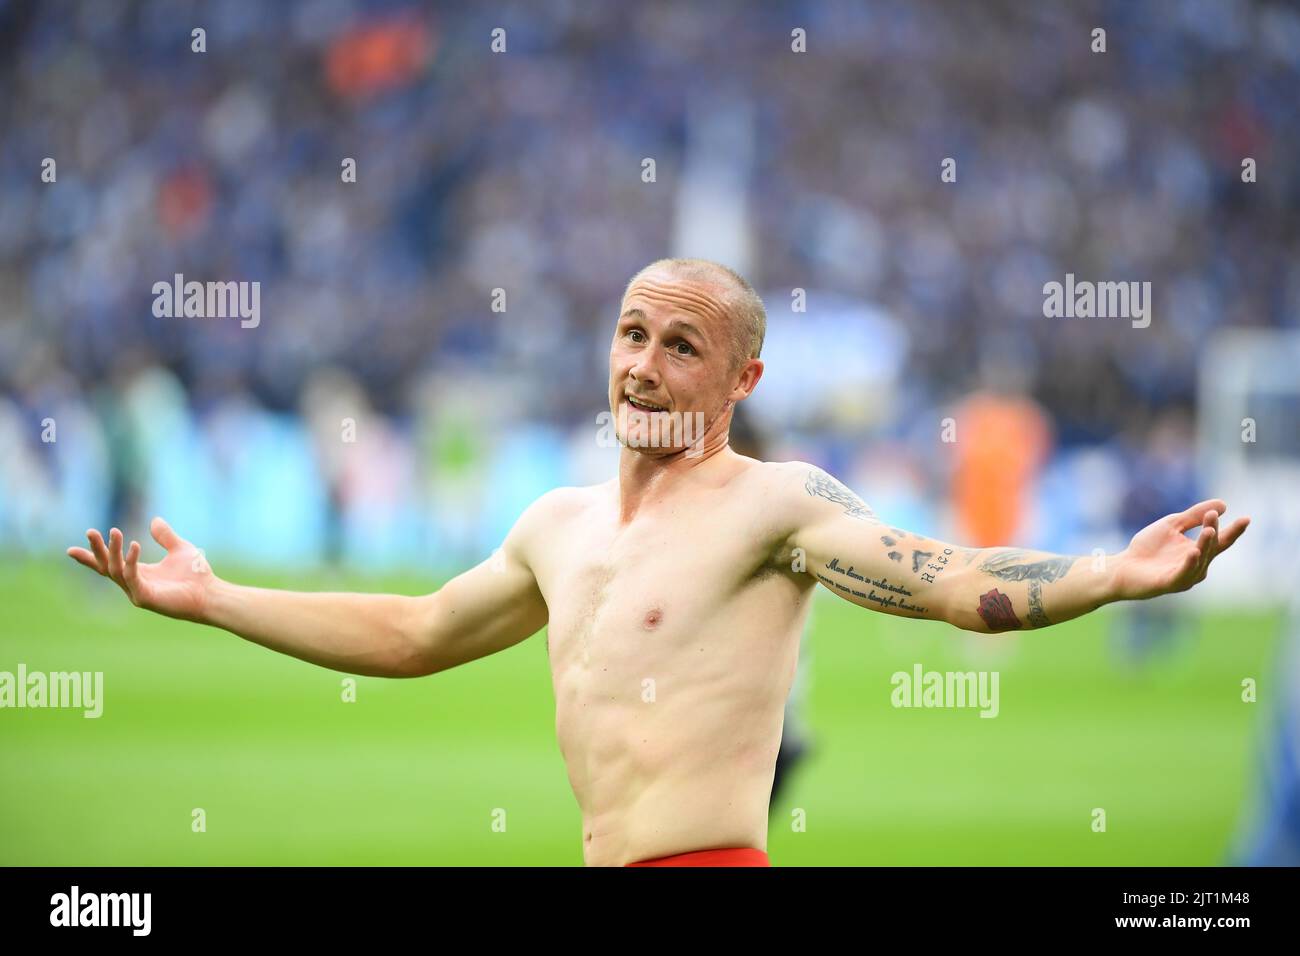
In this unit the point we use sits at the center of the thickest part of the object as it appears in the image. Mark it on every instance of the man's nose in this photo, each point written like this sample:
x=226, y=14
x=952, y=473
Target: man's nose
x=646, y=367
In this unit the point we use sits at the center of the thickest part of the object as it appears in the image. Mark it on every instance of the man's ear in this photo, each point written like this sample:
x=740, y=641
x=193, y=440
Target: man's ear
x=747, y=379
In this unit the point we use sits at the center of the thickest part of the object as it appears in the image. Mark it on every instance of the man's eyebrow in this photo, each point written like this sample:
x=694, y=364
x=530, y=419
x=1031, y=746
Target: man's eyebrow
x=639, y=315
x=686, y=327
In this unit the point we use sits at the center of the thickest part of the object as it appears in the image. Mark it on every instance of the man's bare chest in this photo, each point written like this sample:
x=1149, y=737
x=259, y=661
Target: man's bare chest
x=656, y=583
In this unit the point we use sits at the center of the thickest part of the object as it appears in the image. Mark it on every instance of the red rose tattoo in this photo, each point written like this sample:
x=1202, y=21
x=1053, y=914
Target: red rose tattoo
x=995, y=608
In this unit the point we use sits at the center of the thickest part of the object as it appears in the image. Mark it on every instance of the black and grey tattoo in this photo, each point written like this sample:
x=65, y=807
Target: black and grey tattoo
x=1011, y=565
x=1036, y=616
x=890, y=595
x=822, y=485
x=931, y=567
x=1019, y=565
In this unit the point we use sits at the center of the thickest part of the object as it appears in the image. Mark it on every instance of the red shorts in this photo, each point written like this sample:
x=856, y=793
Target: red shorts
x=732, y=856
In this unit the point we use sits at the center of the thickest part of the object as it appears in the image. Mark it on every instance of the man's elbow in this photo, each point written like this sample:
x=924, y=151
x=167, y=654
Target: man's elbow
x=417, y=645
x=970, y=623
x=965, y=618
x=417, y=662
x=979, y=622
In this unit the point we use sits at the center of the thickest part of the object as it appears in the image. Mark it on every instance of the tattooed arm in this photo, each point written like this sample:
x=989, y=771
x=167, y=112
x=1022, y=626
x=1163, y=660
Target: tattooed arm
x=1009, y=585
x=854, y=554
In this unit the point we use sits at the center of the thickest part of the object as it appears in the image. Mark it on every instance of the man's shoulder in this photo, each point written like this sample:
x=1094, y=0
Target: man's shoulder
x=563, y=503
x=807, y=476
x=801, y=491
x=547, y=517
x=780, y=488
x=783, y=476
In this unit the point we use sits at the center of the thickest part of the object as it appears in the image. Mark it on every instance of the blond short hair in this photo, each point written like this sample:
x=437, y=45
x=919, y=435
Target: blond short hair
x=741, y=302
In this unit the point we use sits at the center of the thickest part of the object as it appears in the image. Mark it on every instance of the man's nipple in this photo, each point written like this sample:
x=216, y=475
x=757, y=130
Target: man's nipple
x=652, y=618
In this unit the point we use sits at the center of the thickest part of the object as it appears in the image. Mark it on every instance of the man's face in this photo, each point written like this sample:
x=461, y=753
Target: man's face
x=671, y=358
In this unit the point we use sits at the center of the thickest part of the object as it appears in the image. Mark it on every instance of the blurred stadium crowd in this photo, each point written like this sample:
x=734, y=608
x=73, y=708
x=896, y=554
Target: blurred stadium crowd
x=522, y=171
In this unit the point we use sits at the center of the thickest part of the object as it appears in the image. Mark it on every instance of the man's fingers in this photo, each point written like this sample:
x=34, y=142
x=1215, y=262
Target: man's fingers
x=1209, y=528
x=1210, y=543
x=162, y=533
x=115, y=556
x=1193, y=516
x=1211, y=522
x=108, y=559
x=129, y=571
x=99, y=549
x=1205, y=542
x=84, y=557
x=1229, y=536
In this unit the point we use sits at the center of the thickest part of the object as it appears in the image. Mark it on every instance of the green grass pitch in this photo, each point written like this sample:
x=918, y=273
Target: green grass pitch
x=411, y=773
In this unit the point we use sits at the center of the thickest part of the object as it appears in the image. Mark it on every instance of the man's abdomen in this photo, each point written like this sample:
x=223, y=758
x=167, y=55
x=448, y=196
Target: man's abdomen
x=670, y=739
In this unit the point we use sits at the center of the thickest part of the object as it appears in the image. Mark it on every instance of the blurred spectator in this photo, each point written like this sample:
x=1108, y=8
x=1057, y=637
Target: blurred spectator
x=480, y=175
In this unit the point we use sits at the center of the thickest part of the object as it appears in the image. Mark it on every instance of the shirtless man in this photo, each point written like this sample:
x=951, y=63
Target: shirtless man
x=673, y=595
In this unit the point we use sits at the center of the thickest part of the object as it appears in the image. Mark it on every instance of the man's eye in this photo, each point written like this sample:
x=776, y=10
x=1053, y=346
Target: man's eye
x=685, y=345
x=635, y=332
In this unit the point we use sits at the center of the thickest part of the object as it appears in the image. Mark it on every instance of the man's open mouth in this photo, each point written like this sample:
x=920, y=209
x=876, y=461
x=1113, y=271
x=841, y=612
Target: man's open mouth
x=644, y=406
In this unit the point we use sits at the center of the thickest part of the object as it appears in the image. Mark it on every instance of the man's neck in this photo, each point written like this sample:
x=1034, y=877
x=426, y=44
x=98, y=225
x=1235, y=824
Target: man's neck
x=643, y=478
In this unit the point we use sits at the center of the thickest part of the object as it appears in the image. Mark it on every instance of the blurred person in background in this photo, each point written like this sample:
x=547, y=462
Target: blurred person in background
x=333, y=407
x=1271, y=828
x=1003, y=438
x=478, y=172
x=1159, y=458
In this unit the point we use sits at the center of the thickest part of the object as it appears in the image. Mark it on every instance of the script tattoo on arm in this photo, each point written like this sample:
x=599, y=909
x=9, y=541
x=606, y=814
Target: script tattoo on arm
x=879, y=591
x=822, y=485
x=1018, y=565
x=928, y=565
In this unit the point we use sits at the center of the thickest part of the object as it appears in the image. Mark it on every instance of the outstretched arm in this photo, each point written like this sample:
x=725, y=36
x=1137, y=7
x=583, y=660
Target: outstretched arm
x=874, y=565
x=486, y=609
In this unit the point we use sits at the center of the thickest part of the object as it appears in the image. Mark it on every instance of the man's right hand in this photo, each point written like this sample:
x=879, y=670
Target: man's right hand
x=486, y=609
x=178, y=586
